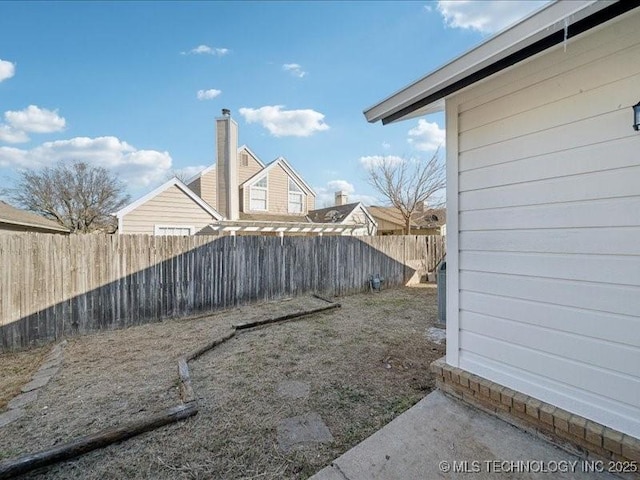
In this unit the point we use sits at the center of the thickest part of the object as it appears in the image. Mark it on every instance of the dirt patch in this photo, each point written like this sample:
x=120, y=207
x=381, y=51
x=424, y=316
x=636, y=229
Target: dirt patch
x=364, y=363
x=17, y=370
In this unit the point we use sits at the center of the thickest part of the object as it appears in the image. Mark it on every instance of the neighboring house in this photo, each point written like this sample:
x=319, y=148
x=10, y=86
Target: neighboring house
x=346, y=214
x=170, y=209
x=543, y=263
x=13, y=220
x=238, y=194
x=430, y=221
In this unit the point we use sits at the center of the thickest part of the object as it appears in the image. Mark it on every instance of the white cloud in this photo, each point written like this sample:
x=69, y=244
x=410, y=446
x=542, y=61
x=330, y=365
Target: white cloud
x=283, y=123
x=7, y=69
x=9, y=134
x=14, y=157
x=427, y=136
x=485, y=16
x=206, y=50
x=372, y=161
x=136, y=167
x=188, y=172
x=341, y=185
x=294, y=69
x=35, y=119
x=386, y=145
x=326, y=194
x=208, y=94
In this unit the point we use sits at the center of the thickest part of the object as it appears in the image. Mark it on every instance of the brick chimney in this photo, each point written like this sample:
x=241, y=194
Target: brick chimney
x=341, y=198
x=227, y=165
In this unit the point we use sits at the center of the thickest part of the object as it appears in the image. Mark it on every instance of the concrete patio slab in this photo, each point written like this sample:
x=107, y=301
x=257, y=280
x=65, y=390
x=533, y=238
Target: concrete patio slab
x=441, y=437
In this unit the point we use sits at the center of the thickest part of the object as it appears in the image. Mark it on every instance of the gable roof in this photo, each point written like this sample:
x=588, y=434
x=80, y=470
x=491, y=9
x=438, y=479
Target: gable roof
x=172, y=182
x=15, y=216
x=338, y=213
x=431, y=218
x=333, y=214
x=257, y=158
x=550, y=25
x=287, y=168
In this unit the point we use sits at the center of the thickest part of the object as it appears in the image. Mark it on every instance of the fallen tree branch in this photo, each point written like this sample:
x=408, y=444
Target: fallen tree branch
x=26, y=463
x=196, y=353
x=257, y=323
x=321, y=298
x=186, y=390
x=18, y=466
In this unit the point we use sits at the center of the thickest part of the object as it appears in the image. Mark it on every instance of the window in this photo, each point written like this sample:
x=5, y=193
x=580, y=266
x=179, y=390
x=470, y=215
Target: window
x=258, y=195
x=295, y=197
x=244, y=159
x=178, y=230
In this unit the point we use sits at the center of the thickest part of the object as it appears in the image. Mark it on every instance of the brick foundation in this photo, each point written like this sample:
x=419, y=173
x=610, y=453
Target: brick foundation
x=572, y=432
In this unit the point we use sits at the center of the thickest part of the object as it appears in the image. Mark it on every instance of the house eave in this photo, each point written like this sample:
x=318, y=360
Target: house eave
x=287, y=168
x=543, y=29
x=60, y=229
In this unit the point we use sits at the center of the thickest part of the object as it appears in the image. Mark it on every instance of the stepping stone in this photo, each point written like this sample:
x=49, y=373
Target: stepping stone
x=46, y=372
x=56, y=352
x=35, y=383
x=296, y=432
x=10, y=416
x=23, y=399
x=293, y=389
x=51, y=364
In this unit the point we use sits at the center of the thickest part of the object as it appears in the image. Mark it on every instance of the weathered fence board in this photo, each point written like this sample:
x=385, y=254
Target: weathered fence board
x=53, y=285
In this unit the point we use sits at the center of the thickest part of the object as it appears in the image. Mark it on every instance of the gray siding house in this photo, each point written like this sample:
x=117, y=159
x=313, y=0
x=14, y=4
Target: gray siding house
x=543, y=228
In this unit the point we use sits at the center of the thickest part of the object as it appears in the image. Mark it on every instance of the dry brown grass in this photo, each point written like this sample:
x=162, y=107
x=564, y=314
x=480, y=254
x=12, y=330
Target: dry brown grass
x=366, y=363
x=17, y=370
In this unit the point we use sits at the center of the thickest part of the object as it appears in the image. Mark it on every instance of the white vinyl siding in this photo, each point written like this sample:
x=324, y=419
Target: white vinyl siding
x=296, y=198
x=258, y=195
x=546, y=261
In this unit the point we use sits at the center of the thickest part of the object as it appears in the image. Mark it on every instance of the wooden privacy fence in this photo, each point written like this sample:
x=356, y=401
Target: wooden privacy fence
x=53, y=285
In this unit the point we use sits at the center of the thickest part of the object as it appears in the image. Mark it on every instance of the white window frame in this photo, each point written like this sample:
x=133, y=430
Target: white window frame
x=296, y=193
x=253, y=187
x=157, y=230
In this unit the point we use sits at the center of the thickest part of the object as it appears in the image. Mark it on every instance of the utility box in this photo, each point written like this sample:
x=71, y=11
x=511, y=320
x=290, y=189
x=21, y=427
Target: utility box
x=442, y=292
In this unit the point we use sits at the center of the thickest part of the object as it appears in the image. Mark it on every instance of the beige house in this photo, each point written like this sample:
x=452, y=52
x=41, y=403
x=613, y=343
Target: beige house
x=239, y=194
x=14, y=220
x=430, y=221
x=170, y=209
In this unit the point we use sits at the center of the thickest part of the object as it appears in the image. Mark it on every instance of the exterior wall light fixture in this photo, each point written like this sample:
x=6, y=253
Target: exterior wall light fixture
x=636, y=116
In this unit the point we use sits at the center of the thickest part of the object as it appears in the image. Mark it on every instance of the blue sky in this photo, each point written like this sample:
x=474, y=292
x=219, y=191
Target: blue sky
x=136, y=86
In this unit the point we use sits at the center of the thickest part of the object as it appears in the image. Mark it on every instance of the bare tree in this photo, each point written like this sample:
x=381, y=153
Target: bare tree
x=407, y=183
x=179, y=174
x=77, y=195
